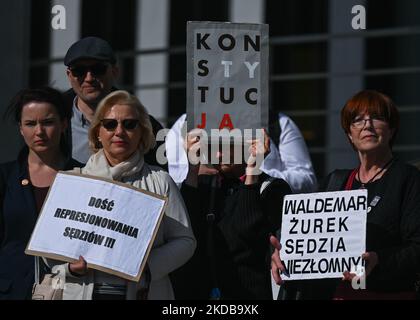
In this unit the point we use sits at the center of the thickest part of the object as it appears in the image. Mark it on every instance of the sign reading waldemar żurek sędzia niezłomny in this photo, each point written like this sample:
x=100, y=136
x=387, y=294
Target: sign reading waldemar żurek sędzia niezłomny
x=227, y=76
x=111, y=224
x=323, y=234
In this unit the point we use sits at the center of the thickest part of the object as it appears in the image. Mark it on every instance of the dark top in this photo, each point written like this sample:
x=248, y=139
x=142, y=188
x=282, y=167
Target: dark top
x=18, y=215
x=392, y=231
x=40, y=194
x=149, y=158
x=244, y=219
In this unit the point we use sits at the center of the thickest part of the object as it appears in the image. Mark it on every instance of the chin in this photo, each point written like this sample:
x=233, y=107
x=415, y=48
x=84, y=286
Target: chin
x=121, y=154
x=94, y=97
x=40, y=149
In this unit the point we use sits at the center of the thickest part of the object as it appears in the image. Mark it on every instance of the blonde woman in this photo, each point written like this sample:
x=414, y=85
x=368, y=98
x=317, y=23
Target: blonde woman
x=120, y=134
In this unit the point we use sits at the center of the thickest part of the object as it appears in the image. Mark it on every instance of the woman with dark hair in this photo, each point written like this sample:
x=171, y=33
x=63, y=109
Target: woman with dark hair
x=370, y=121
x=42, y=119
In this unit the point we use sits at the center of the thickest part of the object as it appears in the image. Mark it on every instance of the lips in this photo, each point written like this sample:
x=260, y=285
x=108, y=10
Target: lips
x=40, y=141
x=371, y=136
x=90, y=88
x=119, y=143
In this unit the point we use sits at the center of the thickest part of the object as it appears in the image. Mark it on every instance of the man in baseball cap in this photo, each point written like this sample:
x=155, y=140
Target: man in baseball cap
x=90, y=47
x=92, y=71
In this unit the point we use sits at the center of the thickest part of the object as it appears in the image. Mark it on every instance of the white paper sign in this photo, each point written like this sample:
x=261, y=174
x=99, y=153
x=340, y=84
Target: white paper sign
x=323, y=234
x=111, y=225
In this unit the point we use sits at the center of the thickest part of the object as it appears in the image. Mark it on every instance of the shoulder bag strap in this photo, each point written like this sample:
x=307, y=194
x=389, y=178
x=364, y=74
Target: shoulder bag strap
x=36, y=270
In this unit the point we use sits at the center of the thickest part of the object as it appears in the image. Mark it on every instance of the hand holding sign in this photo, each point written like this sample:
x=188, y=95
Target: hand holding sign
x=371, y=259
x=79, y=267
x=277, y=266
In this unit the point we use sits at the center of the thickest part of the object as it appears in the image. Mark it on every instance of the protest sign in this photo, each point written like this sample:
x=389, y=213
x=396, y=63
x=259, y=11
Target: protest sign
x=323, y=234
x=227, y=77
x=112, y=225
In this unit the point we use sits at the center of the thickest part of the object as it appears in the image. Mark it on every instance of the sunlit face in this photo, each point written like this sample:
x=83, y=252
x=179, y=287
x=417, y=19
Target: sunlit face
x=369, y=133
x=120, y=142
x=91, y=79
x=41, y=127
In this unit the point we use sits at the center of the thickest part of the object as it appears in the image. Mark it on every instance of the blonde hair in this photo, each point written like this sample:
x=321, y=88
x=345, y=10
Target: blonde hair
x=147, y=140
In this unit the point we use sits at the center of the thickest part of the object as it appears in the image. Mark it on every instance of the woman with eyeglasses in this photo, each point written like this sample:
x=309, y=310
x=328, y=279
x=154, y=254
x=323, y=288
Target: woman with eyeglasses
x=42, y=118
x=120, y=135
x=370, y=120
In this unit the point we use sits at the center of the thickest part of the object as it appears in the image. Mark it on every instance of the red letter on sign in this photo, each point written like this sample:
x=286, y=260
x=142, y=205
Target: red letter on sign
x=226, y=122
x=203, y=121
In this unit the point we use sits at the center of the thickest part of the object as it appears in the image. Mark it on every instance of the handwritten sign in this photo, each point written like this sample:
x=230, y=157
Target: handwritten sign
x=323, y=234
x=112, y=225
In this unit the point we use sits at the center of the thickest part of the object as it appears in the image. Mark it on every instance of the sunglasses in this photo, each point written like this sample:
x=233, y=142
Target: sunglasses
x=127, y=124
x=96, y=70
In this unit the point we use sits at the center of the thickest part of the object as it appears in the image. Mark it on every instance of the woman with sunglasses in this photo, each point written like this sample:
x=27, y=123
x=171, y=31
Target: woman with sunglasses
x=42, y=119
x=370, y=121
x=120, y=135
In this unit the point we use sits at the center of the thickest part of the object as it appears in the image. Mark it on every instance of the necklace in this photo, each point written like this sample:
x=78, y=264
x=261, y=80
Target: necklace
x=363, y=184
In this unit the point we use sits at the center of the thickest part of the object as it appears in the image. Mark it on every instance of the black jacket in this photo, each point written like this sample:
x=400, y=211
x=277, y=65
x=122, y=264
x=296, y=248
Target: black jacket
x=393, y=232
x=18, y=215
x=232, y=252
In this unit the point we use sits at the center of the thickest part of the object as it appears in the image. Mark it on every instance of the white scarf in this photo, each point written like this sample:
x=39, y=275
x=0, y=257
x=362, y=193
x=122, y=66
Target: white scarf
x=99, y=166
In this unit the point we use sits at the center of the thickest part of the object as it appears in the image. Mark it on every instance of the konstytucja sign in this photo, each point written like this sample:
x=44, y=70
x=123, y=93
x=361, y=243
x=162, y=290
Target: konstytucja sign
x=227, y=76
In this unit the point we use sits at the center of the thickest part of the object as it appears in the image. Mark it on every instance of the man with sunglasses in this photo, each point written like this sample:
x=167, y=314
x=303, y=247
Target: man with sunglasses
x=92, y=71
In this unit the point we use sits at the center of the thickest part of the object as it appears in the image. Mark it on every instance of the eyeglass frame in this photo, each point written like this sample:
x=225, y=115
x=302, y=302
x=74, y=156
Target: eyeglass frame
x=375, y=121
x=123, y=123
x=88, y=68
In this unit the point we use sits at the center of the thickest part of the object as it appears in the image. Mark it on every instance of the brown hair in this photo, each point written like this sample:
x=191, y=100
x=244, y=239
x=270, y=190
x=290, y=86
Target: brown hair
x=373, y=103
x=147, y=141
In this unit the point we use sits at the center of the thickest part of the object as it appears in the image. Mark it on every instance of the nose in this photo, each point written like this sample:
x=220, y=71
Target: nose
x=119, y=129
x=368, y=123
x=39, y=129
x=89, y=76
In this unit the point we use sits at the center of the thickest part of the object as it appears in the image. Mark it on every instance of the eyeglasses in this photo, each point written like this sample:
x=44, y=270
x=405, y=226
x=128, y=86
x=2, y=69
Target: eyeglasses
x=97, y=70
x=127, y=124
x=360, y=123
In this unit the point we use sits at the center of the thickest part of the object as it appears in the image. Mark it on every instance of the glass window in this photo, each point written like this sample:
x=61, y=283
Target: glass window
x=293, y=17
x=392, y=13
x=114, y=22
x=40, y=42
x=192, y=10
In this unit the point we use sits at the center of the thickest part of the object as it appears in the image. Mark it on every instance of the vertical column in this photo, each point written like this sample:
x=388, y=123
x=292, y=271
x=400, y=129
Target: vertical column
x=345, y=55
x=251, y=11
x=152, y=33
x=14, y=65
x=406, y=47
x=61, y=40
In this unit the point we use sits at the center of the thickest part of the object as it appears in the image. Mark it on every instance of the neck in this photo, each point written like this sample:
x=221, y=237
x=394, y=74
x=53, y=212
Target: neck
x=88, y=109
x=374, y=160
x=53, y=159
x=373, y=166
x=113, y=161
